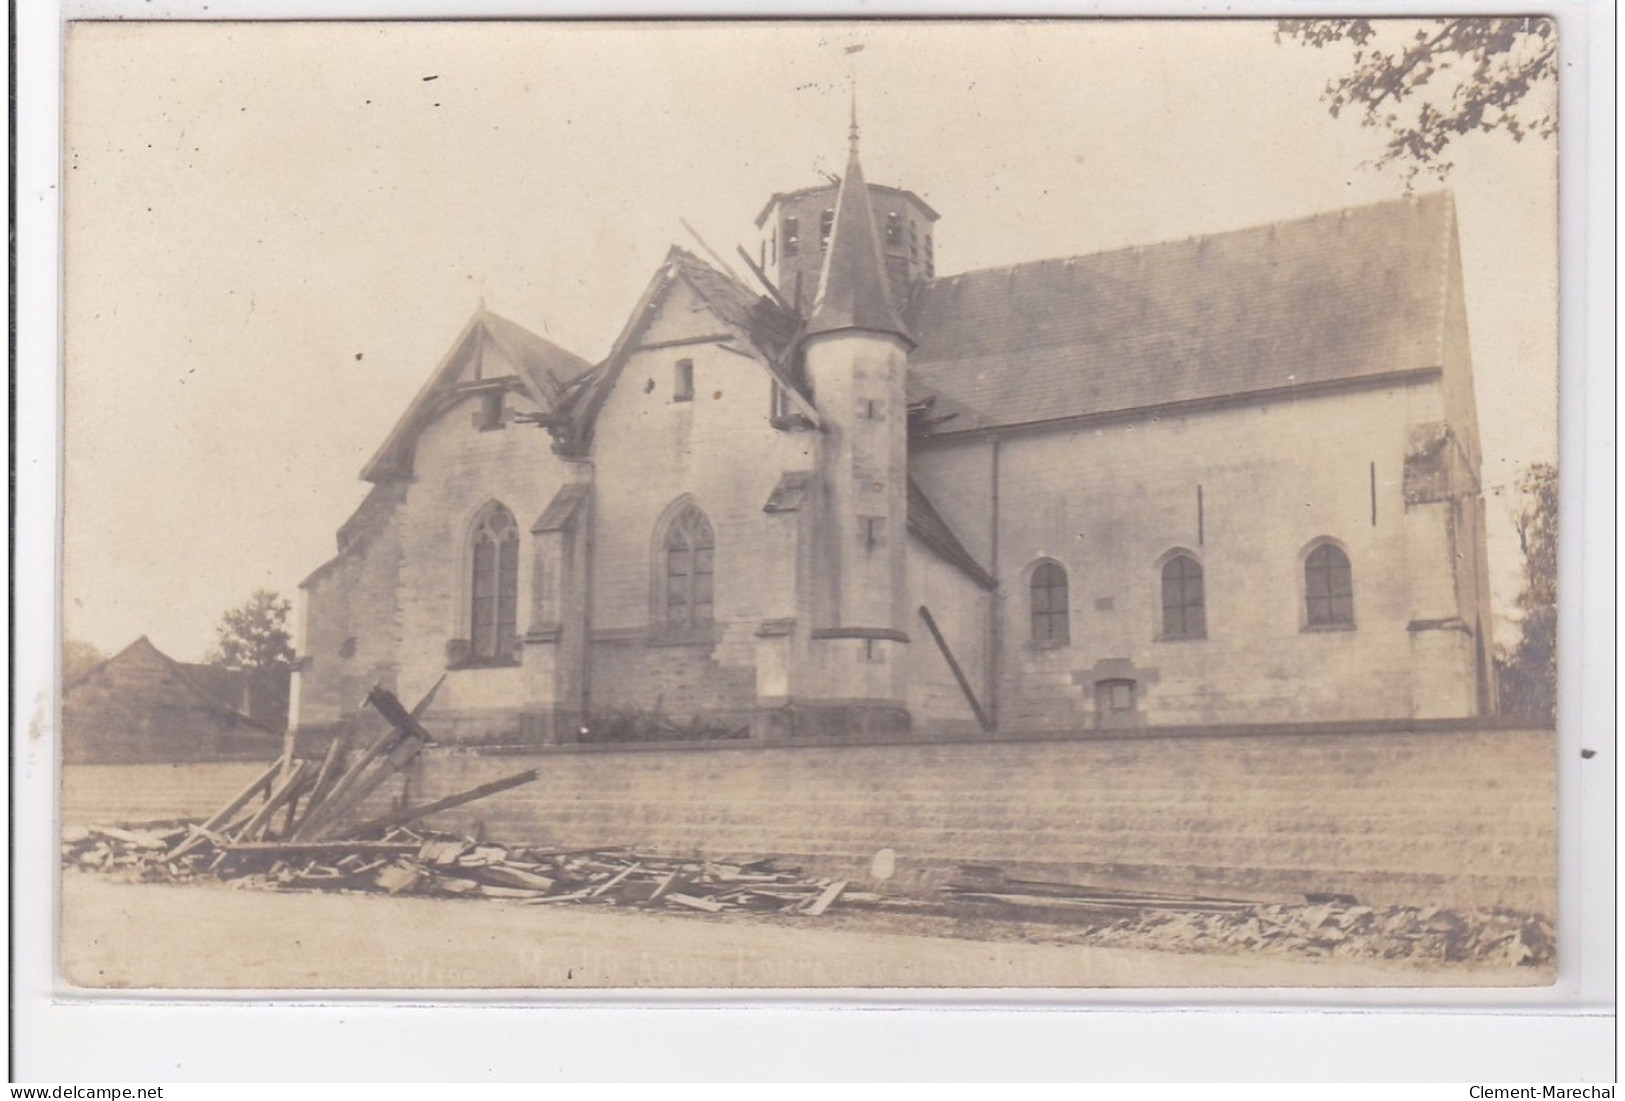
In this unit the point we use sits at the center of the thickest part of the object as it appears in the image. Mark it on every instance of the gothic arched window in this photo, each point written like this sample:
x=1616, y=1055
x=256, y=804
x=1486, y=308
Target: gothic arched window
x=689, y=548
x=1050, y=606
x=494, y=585
x=1183, y=612
x=1328, y=586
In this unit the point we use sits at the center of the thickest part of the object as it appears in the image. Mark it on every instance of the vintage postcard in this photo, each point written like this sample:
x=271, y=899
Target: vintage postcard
x=878, y=505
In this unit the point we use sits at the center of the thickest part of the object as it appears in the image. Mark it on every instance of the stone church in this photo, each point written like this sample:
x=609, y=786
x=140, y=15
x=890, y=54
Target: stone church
x=1232, y=480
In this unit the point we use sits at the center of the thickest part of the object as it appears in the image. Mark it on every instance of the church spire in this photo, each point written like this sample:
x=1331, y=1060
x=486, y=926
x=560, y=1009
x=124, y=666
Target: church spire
x=853, y=289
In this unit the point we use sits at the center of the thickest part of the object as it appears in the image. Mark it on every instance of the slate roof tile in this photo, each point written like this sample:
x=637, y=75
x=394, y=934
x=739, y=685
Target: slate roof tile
x=1344, y=295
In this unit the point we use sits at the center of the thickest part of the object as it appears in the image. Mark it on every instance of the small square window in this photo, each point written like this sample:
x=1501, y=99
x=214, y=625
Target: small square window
x=489, y=415
x=872, y=531
x=1115, y=696
x=683, y=385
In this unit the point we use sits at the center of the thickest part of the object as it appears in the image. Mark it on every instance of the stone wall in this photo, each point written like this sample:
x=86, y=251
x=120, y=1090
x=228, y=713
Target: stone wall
x=1441, y=814
x=110, y=794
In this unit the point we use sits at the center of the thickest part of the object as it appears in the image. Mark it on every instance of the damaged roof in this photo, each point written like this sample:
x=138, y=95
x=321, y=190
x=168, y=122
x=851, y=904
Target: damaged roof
x=542, y=369
x=1352, y=294
x=769, y=326
x=543, y=364
x=790, y=196
x=764, y=324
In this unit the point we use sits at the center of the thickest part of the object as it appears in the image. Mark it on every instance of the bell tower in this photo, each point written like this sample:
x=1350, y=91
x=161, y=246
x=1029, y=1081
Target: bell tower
x=796, y=227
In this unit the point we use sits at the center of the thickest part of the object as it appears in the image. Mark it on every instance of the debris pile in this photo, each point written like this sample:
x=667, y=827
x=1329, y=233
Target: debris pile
x=1314, y=925
x=288, y=829
x=409, y=862
x=1350, y=932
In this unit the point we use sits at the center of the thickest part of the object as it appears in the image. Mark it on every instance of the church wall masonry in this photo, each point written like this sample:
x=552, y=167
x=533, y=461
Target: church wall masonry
x=731, y=524
x=1110, y=503
x=460, y=468
x=658, y=449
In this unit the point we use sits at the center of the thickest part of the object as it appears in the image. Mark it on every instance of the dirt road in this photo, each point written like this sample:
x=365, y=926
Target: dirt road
x=209, y=935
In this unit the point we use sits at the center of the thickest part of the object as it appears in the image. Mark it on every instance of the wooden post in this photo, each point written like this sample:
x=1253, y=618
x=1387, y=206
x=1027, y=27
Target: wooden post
x=959, y=674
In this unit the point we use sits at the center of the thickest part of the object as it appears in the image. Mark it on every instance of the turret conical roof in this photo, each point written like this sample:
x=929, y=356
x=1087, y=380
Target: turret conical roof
x=852, y=287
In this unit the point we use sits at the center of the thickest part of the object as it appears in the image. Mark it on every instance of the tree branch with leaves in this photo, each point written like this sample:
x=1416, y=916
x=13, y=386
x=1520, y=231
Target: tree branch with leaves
x=1450, y=78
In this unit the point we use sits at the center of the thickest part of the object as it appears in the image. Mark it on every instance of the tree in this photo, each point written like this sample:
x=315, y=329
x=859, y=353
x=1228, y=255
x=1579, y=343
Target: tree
x=1451, y=78
x=255, y=636
x=78, y=658
x=1528, y=675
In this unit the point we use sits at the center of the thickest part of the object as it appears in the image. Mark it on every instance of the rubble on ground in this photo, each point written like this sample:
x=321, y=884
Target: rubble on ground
x=1349, y=932
x=407, y=861
x=1313, y=925
x=413, y=861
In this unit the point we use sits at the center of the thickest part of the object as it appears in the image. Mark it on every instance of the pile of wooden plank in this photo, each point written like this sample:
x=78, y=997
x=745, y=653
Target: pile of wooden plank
x=405, y=861
x=134, y=853
x=1068, y=900
x=302, y=802
x=442, y=865
x=293, y=828
x=309, y=801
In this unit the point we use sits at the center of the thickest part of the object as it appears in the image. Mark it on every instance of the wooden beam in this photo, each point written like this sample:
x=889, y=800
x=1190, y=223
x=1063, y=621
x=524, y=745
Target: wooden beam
x=326, y=777
x=404, y=743
x=201, y=833
x=428, y=697
x=709, y=251
x=959, y=674
x=608, y=883
x=290, y=786
x=763, y=279
x=831, y=893
x=318, y=816
x=324, y=848
x=409, y=814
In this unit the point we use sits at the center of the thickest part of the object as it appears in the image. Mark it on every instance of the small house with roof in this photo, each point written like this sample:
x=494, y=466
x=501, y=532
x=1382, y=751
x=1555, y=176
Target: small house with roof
x=141, y=705
x=1220, y=481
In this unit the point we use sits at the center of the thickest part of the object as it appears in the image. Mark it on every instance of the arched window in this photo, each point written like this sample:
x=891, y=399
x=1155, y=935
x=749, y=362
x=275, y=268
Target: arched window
x=1049, y=601
x=1184, y=614
x=494, y=585
x=1328, y=585
x=689, y=548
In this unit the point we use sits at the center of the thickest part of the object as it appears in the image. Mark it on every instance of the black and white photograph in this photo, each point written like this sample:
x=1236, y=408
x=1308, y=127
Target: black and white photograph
x=876, y=505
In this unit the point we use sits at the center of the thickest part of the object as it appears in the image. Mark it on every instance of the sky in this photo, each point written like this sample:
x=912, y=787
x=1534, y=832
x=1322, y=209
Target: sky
x=274, y=232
